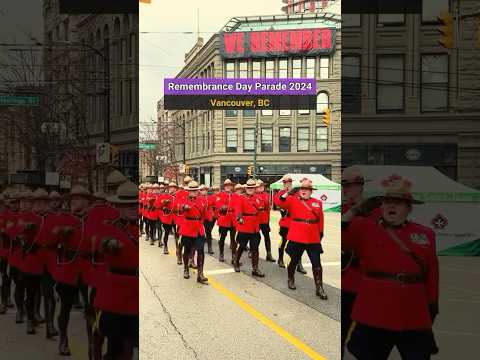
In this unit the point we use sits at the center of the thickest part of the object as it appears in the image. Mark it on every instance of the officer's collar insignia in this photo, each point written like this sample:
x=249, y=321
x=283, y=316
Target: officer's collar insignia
x=315, y=204
x=420, y=239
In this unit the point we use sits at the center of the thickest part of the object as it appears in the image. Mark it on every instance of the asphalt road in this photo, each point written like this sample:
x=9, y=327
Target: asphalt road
x=15, y=344
x=237, y=316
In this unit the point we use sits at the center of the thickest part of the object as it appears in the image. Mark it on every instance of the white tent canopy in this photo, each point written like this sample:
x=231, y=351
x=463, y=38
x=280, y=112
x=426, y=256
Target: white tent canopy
x=324, y=189
x=451, y=209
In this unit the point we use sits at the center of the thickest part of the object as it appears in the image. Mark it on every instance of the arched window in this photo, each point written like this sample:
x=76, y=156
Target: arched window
x=116, y=27
x=322, y=102
x=105, y=31
x=126, y=24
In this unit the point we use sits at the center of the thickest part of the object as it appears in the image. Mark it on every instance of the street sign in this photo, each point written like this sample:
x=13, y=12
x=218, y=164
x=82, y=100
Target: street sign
x=17, y=100
x=103, y=153
x=146, y=146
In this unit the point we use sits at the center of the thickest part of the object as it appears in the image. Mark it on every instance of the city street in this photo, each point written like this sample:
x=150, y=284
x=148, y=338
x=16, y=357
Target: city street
x=15, y=342
x=237, y=316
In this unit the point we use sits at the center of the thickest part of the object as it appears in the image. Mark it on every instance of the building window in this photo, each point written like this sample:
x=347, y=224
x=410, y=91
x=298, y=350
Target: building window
x=243, y=67
x=303, y=112
x=351, y=84
x=303, y=139
x=230, y=69
x=248, y=113
x=390, y=80
x=297, y=68
x=208, y=140
x=230, y=113
x=267, y=139
x=431, y=9
x=311, y=67
x=283, y=68
x=322, y=102
x=390, y=19
x=124, y=49
x=232, y=140
x=248, y=140
x=120, y=83
x=285, y=140
x=65, y=29
x=131, y=44
x=256, y=69
x=130, y=97
x=351, y=20
x=324, y=67
x=322, y=138
x=434, y=79
x=270, y=68
x=267, y=112
x=57, y=33
x=285, y=112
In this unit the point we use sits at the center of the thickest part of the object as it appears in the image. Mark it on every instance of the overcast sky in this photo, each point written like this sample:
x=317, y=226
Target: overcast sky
x=162, y=51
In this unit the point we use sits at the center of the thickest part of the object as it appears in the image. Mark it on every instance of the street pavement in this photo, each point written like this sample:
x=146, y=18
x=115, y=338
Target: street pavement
x=15, y=344
x=238, y=316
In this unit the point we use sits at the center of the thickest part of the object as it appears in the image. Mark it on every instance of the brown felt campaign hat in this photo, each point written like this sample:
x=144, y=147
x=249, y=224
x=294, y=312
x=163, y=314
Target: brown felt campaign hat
x=127, y=193
x=397, y=187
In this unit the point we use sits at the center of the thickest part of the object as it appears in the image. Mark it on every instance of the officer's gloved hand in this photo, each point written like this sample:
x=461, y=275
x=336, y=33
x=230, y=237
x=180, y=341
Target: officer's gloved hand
x=240, y=220
x=186, y=207
x=114, y=245
x=223, y=210
x=67, y=231
x=166, y=201
x=30, y=226
x=367, y=206
x=433, y=309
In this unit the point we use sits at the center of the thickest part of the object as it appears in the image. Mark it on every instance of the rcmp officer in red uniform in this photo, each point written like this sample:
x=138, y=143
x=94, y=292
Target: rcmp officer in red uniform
x=224, y=203
x=6, y=218
x=305, y=232
x=73, y=262
x=248, y=225
x=284, y=224
x=397, y=299
x=192, y=231
x=117, y=290
x=180, y=197
x=264, y=218
x=166, y=214
x=352, y=190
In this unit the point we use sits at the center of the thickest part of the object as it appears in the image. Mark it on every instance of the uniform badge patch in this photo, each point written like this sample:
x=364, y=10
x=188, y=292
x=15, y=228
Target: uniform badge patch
x=420, y=239
x=316, y=204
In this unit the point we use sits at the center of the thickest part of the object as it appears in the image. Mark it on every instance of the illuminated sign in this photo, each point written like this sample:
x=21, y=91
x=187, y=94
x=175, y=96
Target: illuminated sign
x=260, y=44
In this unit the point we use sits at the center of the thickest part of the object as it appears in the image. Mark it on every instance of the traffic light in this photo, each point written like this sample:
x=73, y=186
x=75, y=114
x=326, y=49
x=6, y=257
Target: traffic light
x=250, y=170
x=446, y=30
x=115, y=154
x=327, y=116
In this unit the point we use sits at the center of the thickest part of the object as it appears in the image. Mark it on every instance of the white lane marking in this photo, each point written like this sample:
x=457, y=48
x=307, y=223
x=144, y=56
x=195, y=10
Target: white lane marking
x=459, y=333
x=462, y=301
x=219, y=271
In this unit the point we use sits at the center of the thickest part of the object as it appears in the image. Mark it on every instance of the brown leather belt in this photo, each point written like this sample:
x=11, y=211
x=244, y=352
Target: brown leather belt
x=246, y=214
x=193, y=218
x=127, y=272
x=307, y=221
x=400, y=277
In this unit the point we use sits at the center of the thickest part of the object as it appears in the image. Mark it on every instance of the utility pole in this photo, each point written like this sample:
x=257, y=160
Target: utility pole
x=255, y=142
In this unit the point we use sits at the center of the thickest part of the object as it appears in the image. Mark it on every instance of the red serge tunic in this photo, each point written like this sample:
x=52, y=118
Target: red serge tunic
x=97, y=217
x=117, y=290
x=180, y=197
x=212, y=207
x=352, y=275
x=8, y=222
x=306, y=225
x=264, y=209
x=193, y=217
x=72, y=263
x=392, y=304
x=225, y=216
x=166, y=209
x=29, y=225
x=285, y=219
x=246, y=208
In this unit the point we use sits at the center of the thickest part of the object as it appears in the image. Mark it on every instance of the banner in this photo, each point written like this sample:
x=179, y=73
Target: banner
x=277, y=43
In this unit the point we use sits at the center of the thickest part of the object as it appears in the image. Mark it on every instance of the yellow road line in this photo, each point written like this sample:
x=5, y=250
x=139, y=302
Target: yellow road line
x=267, y=322
x=312, y=354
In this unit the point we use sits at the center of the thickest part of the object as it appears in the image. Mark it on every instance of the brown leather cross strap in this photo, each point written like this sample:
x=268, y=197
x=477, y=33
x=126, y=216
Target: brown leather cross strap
x=193, y=218
x=406, y=249
x=400, y=277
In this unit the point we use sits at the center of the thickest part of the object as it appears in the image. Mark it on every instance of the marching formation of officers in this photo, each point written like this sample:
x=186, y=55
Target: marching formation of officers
x=390, y=275
x=76, y=243
x=190, y=212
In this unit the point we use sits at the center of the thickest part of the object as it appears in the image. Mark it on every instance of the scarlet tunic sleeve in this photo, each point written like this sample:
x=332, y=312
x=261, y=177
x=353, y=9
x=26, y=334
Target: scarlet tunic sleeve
x=352, y=234
x=283, y=203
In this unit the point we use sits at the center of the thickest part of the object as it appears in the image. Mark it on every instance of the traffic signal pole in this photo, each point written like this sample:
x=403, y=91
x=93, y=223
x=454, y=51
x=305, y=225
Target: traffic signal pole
x=255, y=146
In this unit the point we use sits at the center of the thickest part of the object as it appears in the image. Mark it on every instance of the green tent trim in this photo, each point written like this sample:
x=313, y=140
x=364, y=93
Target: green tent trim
x=337, y=208
x=471, y=248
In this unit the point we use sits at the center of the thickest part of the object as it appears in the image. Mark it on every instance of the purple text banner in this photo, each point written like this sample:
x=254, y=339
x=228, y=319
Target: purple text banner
x=240, y=86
